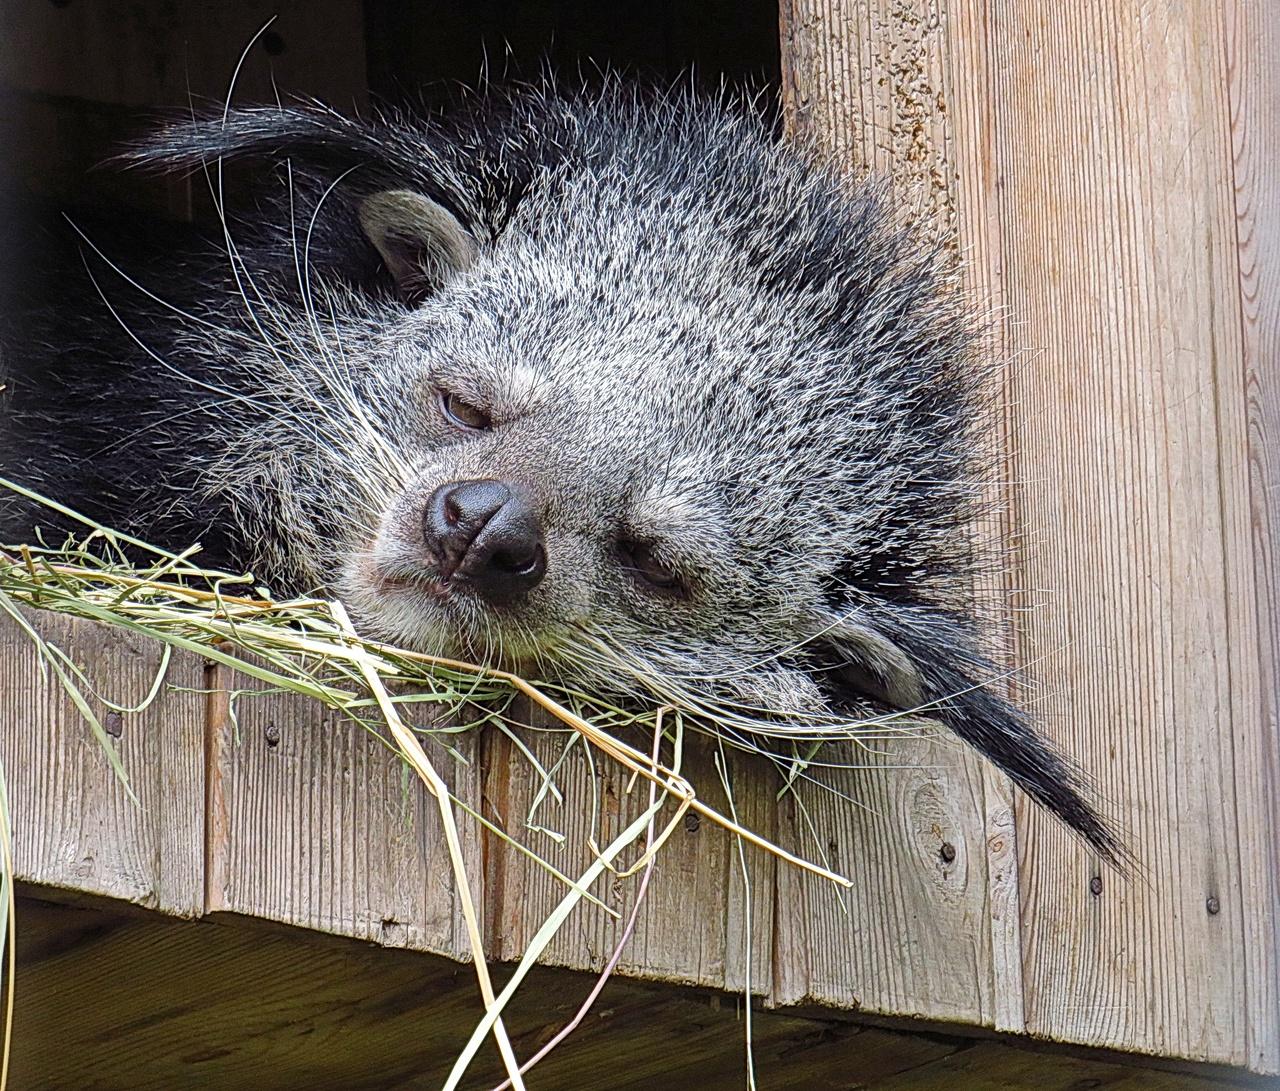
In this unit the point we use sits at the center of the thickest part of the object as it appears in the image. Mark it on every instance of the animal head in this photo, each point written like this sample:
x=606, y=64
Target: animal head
x=621, y=387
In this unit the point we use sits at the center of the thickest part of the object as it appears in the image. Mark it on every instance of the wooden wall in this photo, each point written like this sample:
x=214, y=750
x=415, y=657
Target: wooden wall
x=1108, y=167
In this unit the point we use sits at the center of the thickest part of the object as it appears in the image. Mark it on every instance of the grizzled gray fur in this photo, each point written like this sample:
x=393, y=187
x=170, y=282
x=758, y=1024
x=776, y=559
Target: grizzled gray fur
x=610, y=385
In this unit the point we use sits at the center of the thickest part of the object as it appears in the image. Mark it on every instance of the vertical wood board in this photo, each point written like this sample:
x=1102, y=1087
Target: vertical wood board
x=1086, y=157
x=866, y=81
x=696, y=917
x=1252, y=46
x=317, y=823
x=1114, y=162
x=74, y=823
x=912, y=934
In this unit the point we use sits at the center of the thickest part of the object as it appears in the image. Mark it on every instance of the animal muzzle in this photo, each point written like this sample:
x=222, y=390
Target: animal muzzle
x=486, y=536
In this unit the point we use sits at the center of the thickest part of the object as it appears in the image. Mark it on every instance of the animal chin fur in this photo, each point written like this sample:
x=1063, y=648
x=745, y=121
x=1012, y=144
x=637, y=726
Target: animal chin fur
x=682, y=332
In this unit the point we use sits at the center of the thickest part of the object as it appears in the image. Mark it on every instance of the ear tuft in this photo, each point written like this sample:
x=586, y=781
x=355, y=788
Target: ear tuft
x=421, y=242
x=870, y=664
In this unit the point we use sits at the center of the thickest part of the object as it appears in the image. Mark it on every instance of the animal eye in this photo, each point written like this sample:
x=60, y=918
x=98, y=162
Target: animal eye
x=462, y=414
x=640, y=559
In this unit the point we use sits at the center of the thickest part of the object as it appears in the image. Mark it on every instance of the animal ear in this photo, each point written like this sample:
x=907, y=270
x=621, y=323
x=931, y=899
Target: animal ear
x=421, y=242
x=859, y=663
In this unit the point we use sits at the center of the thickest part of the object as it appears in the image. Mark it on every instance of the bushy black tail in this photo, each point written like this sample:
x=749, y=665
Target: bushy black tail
x=320, y=142
x=959, y=680
x=958, y=690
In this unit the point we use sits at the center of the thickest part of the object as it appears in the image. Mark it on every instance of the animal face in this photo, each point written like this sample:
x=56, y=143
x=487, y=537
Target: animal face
x=614, y=449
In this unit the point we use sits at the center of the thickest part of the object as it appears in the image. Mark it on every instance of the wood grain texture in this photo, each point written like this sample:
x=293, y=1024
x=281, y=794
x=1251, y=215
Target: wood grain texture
x=315, y=822
x=74, y=824
x=692, y=927
x=912, y=935
x=868, y=83
x=1252, y=44
x=1103, y=166
x=1132, y=426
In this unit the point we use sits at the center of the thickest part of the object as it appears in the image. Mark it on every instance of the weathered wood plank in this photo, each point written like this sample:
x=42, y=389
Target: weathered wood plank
x=980, y=232
x=313, y=823
x=912, y=935
x=867, y=81
x=1085, y=157
x=316, y=823
x=74, y=824
x=1252, y=44
x=692, y=925
x=1114, y=160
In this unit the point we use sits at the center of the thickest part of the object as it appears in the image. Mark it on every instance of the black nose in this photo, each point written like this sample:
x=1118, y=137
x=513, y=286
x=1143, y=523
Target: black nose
x=487, y=535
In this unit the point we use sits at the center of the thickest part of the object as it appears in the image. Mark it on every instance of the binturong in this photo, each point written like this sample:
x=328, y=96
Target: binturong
x=606, y=385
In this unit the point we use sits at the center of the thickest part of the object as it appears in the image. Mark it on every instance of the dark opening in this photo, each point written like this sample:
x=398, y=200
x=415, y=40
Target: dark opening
x=666, y=39
x=77, y=78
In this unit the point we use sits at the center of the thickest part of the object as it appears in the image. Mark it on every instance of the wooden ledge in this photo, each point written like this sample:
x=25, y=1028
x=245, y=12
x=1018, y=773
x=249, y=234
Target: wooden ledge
x=280, y=814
